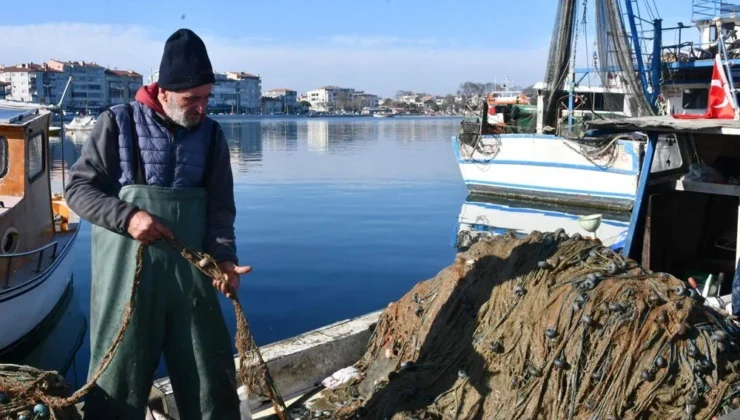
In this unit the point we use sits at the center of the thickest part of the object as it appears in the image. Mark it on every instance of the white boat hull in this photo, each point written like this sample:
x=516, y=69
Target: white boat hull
x=549, y=168
x=85, y=123
x=26, y=306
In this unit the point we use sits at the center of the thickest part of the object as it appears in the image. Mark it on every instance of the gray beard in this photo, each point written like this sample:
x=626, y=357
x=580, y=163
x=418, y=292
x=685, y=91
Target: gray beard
x=177, y=115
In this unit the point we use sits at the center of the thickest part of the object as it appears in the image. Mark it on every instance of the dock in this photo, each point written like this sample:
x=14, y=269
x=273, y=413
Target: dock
x=298, y=364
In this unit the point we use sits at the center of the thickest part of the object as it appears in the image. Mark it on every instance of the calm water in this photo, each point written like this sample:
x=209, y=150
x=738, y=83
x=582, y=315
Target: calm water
x=337, y=216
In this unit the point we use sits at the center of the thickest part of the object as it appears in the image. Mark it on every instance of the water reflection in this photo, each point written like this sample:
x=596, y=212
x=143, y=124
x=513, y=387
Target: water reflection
x=482, y=216
x=63, y=155
x=317, y=135
x=58, y=348
x=280, y=136
x=245, y=144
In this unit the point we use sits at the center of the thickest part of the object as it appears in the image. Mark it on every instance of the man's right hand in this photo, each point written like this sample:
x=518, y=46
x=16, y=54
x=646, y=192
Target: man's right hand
x=146, y=229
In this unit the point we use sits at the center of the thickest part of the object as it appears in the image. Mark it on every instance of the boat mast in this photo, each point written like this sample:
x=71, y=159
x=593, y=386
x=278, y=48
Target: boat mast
x=61, y=129
x=572, y=67
x=655, y=64
x=636, y=45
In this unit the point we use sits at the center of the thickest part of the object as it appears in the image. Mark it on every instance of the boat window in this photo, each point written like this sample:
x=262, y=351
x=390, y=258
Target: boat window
x=3, y=156
x=10, y=241
x=35, y=156
x=695, y=98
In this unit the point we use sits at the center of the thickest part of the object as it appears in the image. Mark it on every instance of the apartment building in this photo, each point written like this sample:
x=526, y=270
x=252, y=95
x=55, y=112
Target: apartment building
x=248, y=88
x=335, y=99
x=32, y=82
x=87, y=92
x=121, y=86
x=329, y=98
x=287, y=97
x=360, y=100
x=272, y=106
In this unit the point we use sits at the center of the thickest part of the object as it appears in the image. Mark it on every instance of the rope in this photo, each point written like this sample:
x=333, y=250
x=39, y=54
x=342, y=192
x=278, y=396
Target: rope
x=28, y=389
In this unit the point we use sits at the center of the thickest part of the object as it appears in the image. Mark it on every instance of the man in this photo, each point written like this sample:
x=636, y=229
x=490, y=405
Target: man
x=150, y=169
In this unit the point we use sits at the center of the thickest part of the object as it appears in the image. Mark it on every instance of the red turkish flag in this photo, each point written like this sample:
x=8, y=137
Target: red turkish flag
x=721, y=104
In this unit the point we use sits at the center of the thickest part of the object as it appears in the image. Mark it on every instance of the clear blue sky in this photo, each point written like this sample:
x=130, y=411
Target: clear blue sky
x=380, y=46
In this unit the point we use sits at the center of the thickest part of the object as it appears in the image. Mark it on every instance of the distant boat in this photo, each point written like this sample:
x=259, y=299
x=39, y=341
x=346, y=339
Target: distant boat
x=384, y=115
x=37, y=230
x=80, y=123
x=54, y=130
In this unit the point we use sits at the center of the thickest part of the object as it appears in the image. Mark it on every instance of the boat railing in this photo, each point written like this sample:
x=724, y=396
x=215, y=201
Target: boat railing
x=40, y=251
x=690, y=50
x=709, y=9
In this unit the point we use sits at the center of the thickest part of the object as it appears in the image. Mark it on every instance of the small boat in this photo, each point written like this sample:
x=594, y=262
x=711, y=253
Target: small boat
x=384, y=115
x=81, y=123
x=37, y=230
x=54, y=130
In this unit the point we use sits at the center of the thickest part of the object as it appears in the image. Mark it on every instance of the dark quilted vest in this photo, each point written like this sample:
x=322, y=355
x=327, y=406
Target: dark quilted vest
x=169, y=160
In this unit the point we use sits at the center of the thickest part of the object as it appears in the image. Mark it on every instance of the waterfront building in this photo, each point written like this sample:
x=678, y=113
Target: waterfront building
x=288, y=97
x=121, y=86
x=272, y=106
x=86, y=93
x=31, y=82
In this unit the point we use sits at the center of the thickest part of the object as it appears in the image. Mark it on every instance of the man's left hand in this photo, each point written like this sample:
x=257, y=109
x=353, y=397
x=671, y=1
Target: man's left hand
x=231, y=274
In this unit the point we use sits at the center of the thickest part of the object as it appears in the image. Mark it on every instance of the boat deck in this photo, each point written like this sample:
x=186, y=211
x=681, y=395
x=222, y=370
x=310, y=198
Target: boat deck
x=8, y=202
x=40, y=261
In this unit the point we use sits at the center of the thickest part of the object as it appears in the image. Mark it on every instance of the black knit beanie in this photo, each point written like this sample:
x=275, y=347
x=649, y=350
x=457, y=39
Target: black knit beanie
x=185, y=63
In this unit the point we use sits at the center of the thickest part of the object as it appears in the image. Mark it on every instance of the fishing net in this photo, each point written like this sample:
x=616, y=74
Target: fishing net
x=617, y=61
x=28, y=393
x=561, y=43
x=544, y=326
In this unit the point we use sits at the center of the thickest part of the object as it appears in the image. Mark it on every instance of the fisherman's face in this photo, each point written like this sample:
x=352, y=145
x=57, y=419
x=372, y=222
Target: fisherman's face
x=187, y=107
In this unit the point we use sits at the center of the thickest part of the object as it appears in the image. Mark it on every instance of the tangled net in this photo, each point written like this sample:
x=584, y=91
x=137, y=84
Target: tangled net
x=27, y=393
x=545, y=326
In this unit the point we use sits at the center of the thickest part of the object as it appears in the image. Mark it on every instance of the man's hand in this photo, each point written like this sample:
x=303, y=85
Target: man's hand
x=146, y=229
x=231, y=274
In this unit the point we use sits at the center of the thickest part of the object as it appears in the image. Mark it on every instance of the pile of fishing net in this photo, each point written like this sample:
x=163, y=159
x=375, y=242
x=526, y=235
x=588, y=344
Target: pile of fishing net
x=28, y=393
x=544, y=326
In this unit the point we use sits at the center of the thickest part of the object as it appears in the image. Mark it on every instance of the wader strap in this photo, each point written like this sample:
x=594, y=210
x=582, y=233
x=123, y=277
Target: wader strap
x=136, y=153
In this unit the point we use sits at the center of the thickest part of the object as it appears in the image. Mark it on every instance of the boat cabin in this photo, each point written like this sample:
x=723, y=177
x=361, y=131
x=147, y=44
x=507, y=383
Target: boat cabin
x=36, y=229
x=685, y=217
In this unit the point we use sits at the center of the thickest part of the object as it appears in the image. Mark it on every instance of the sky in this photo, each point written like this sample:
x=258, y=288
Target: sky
x=379, y=46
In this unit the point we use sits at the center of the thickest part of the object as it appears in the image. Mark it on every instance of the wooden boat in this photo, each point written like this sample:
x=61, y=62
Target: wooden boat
x=36, y=229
